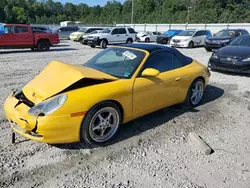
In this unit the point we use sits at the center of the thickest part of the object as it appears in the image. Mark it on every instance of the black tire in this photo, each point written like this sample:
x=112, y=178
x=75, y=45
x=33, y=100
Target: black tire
x=208, y=49
x=33, y=49
x=43, y=45
x=188, y=100
x=86, y=132
x=104, y=44
x=147, y=40
x=92, y=46
x=191, y=44
x=129, y=41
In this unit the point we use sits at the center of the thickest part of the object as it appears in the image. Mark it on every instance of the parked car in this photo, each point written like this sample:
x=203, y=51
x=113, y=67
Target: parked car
x=41, y=29
x=118, y=35
x=147, y=36
x=167, y=36
x=190, y=38
x=67, y=103
x=223, y=38
x=79, y=35
x=22, y=36
x=234, y=57
x=84, y=40
x=64, y=32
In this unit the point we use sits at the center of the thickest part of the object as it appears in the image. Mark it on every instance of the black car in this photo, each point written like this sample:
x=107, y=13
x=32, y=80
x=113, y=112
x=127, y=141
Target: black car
x=233, y=58
x=223, y=38
x=166, y=37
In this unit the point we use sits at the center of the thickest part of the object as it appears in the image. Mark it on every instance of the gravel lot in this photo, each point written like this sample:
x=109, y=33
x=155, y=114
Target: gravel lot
x=152, y=151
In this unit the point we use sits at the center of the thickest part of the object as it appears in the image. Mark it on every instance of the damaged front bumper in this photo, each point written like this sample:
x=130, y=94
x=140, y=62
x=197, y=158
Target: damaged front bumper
x=47, y=129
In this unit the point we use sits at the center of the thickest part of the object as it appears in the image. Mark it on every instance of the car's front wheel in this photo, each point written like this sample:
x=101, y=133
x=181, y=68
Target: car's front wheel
x=191, y=44
x=195, y=93
x=101, y=123
x=104, y=44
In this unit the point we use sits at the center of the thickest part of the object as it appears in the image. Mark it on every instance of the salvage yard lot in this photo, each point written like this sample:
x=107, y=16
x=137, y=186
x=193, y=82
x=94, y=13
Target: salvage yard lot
x=152, y=151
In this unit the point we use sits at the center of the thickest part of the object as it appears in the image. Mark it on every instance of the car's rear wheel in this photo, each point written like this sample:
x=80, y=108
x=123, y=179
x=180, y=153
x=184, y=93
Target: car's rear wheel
x=195, y=93
x=101, y=123
x=129, y=41
x=147, y=40
x=43, y=45
x=191, y=44
x=104, y=44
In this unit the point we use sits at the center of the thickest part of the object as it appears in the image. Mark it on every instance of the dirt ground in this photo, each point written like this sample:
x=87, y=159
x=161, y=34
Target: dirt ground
x=152, y=151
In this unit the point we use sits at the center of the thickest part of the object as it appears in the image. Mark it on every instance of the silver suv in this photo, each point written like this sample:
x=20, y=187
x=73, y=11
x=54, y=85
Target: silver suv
x=117, y=35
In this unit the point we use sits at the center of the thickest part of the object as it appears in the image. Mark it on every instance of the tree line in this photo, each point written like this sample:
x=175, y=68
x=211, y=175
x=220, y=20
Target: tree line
x=145, y=11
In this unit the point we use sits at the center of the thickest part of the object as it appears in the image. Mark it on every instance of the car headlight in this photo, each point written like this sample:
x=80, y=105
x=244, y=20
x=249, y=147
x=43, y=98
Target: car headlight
x=206, y=40
x=96, y=37
x=247, y=59
x=48, y=107
x=224, y=41
x=185, y=40
x=214, y=55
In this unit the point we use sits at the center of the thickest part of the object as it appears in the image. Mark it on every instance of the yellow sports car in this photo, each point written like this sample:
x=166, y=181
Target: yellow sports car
x=68, y=103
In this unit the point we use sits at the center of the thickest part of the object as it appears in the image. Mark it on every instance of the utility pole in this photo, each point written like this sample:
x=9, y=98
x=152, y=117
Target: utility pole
x=189, y=8
x=132, y=13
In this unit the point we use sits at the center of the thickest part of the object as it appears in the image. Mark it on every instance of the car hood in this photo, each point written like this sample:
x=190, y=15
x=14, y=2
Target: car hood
x=237, y=51
x=57, y=77
x=181, y=37
x=219, y=38
x=78, y=33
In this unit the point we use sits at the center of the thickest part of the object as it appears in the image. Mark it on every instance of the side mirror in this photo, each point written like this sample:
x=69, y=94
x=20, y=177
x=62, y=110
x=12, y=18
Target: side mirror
x=149, y=72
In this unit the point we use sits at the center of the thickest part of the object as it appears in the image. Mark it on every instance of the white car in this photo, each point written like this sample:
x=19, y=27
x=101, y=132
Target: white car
x=147, y=36
x=190, y=38
x=118, y=35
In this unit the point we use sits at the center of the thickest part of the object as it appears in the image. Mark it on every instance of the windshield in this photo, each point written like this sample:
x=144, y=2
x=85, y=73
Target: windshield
x=83, y=30
x=170, y=32
x=225, y=33
x=186, y=33
x=106, y=31
x=118, y=62
x=241, y=41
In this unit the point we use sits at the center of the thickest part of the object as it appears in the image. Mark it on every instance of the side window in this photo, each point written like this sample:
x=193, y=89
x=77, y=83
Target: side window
x=63, y=29
x=154, y=33
x=163, y=61
x=115, y=31
x=21, y=29
x=8, y=29
x=122, y=31
x=198, y=33
x=132, y=31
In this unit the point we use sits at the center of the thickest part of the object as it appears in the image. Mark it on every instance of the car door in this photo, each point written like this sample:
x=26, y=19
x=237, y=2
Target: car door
x=114, y=38
x=23, y=37
x=152, y=93
x=7, y=38
x=123, y=35
x=197, y=38
x=153, y=36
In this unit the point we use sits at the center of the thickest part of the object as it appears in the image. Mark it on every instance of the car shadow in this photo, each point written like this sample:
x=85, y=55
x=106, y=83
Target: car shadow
x=148, y=122
x=231, y=73
x=53, y=49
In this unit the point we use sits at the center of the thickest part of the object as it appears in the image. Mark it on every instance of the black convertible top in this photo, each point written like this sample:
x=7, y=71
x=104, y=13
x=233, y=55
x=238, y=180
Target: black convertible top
x=154, y=47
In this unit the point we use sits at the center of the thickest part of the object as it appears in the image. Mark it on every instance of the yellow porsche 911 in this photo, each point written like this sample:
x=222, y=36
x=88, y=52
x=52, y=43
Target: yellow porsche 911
x=68, y=103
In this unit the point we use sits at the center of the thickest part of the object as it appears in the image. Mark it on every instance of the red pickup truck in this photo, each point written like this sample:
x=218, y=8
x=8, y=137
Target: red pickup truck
x=22, y=36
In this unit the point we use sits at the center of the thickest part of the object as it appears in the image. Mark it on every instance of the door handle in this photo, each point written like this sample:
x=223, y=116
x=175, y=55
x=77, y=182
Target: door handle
x=177, y=79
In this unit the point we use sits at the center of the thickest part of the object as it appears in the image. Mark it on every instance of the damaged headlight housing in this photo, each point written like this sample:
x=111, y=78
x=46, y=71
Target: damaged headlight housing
x=49, y=106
